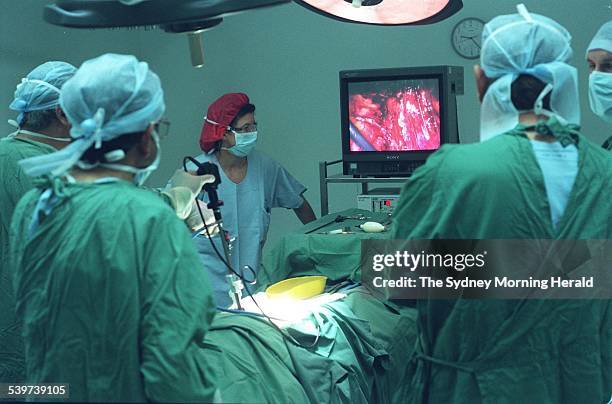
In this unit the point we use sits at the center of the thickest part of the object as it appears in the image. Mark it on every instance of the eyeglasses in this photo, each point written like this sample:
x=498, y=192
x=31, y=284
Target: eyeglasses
x=162, y=127
x=249, y=127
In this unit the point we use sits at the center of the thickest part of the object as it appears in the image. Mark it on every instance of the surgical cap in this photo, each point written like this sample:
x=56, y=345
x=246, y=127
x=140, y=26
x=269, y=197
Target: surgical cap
x=602, y=39
x=532, y=44
x=40, y=89
x=220, y=115
x=109, y=96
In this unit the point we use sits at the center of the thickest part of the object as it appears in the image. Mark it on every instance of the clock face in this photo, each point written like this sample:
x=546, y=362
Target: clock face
x=467, y=36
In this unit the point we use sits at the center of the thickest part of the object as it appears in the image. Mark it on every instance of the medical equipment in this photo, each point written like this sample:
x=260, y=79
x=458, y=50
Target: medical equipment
x=337, y=219
x=385, y=12
x=379, y=200
x=392, y=120
x=344, y=230
x=178, y=16
x=372, y=227
x=233, y=278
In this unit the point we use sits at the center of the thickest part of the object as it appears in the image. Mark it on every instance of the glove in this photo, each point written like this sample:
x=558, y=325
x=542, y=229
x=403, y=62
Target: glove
x=194, y=221
x=182, y=190
x=189, y=180
x=181, y=199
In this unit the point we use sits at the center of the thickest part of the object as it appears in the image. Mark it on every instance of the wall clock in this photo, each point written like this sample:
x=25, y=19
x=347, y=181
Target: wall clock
x=466, y=37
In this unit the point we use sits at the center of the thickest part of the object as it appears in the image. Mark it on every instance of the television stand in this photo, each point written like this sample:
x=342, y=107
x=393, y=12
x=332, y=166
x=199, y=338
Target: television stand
x=325, y=179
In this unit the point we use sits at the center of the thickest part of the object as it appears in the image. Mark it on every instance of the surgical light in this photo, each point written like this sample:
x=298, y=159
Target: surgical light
x=177, y=16
x=385, y=12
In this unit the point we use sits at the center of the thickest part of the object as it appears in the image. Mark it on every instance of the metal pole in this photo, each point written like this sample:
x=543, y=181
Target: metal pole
x=323, y=187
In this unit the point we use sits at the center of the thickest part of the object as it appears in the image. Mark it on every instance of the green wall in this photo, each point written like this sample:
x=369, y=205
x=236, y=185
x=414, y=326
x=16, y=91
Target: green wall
x=287, y=59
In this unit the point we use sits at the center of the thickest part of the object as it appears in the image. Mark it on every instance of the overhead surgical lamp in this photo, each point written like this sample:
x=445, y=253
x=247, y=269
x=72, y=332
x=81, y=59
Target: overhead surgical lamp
x=385, y=12
x=176, y=16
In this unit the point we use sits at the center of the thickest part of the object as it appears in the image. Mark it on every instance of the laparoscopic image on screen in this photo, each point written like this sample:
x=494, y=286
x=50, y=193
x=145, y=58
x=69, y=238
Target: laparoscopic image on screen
x=394, y=115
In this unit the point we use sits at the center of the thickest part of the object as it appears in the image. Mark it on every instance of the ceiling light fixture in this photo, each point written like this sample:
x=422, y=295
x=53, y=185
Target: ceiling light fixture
x=385, y=12
x=177, y=16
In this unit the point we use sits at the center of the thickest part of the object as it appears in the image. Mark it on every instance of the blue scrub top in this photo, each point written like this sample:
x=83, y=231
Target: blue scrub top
x=246, y=215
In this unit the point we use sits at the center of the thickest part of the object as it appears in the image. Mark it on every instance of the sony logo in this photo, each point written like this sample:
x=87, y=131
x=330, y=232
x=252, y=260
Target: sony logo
x=392, y=157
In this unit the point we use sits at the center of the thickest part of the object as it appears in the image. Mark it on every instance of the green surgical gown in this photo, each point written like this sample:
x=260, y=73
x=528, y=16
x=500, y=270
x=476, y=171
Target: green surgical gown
x=508, y=351
x=14, y=183
x=113, y=296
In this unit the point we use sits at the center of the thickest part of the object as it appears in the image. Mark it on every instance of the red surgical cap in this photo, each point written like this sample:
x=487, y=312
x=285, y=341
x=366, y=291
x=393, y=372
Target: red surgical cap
x=222, y=111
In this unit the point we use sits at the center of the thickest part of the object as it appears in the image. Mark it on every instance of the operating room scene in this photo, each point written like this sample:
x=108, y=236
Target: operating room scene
x=306, y=201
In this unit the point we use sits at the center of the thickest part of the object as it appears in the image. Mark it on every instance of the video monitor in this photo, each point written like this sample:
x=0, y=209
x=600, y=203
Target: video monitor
x=394, y=115
x=392, y=120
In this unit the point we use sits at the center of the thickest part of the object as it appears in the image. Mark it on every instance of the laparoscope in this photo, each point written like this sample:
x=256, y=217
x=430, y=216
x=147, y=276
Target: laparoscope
x=214, y=204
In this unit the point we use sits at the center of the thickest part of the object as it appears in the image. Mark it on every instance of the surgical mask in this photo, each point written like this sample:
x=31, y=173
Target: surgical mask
x=140, y=174
x=245, y=143
x=600, y=95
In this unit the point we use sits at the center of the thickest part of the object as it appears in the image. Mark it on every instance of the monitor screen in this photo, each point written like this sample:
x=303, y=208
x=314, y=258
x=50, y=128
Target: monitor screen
x=394, y=115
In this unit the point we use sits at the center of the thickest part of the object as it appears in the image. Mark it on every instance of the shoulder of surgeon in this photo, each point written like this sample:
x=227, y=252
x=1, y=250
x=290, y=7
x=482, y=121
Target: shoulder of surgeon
x=125, y=195
x=476, y=158
x=499, y=155
x=12, y=149
x=116, y=196
x=596, y=151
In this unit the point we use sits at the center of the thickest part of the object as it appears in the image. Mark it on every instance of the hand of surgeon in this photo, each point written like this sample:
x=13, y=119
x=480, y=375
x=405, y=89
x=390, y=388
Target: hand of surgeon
x=182, y=190
x=194, y=221
x=189, y=180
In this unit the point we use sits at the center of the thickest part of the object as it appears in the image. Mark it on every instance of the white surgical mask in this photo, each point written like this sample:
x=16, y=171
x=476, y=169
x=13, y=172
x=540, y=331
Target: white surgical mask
x=140, y=174
x=600, y=94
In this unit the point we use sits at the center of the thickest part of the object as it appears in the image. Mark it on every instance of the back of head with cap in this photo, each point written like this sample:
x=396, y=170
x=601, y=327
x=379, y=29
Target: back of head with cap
x=526, y=44
x=40, y=89
x=220, y=115
x=109, y=96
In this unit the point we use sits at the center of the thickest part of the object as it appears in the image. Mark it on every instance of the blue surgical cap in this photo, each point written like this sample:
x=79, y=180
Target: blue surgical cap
x=109, y=96
x=40, y=89
x=602, y=39
x=526, y=43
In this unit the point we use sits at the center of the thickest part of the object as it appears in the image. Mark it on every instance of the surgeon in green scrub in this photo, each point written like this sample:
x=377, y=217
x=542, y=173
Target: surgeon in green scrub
x=107, y=282
x=42, y=128
x=533, y=176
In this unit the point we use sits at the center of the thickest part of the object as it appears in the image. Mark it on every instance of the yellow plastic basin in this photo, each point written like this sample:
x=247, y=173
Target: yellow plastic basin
x=303, y=287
